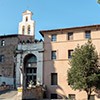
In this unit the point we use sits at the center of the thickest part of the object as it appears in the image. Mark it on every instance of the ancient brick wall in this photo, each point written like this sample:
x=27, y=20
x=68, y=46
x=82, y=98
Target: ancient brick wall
x=7, y=66
x=8, y=50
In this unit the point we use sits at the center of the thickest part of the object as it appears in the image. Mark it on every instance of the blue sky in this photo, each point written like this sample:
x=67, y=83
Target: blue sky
x=48, y=14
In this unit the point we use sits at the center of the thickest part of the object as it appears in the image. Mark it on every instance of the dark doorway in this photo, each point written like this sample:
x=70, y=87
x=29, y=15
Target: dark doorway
x=30, y=70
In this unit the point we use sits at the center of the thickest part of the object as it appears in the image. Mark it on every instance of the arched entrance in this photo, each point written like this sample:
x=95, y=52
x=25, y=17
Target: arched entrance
x=30, y=69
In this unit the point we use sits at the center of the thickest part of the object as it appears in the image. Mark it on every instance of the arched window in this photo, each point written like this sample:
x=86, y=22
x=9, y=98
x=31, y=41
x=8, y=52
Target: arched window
x=29, y=29
x=30, y=69
x=23, y=29
x=26, y=19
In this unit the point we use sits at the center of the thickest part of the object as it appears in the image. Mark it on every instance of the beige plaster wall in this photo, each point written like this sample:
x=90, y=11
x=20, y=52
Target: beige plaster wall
x=61, y=64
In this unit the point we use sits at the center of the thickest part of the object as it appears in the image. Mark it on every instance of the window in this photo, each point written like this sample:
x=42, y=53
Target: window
x=3, y=43
x=29, y=29
x=1, y=58
x=92, y=97
x=53, y=78
x=30, y=69
x=87, y=34
x=72, y=96
x=53, y=96
x=70, y=35
x=70, y=53
x=53, y=37
x=26, y=19
x=23, y=29
x=53, y=55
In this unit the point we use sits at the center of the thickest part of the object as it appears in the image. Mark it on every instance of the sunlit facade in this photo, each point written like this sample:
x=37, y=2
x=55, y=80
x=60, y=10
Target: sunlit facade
x=58, y=47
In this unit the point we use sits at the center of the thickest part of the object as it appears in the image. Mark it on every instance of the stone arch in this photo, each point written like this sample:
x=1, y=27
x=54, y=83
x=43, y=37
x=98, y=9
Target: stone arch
x=30, y=69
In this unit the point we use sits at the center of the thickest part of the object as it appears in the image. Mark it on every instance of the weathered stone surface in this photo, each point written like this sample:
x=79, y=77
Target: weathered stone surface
x=33, y=93
x=7, y=67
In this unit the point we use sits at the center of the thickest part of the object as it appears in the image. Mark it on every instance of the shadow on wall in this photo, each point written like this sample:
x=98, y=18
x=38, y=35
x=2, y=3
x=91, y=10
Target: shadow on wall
x=63, y=95
x=50, y=69
x=51, y=73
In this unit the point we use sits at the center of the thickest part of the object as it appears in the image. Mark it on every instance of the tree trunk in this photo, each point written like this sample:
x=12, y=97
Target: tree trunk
x=88, y=94
x=88, y=97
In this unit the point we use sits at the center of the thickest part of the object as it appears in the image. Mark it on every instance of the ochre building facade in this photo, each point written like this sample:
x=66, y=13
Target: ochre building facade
x=58, y=47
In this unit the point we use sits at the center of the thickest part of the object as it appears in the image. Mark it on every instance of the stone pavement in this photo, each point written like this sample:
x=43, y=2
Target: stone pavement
x=9, y=95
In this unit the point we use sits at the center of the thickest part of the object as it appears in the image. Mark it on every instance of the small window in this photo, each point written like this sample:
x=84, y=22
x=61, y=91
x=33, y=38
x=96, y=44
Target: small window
x=3, y=43
x=53, y=78
x=53, y=37
x=92, y=97
x=26, y=19
x=70, y=53
x=70, y=35
x=87, y=34
x=53, y=96
x=1, y=58
x=53, y=55
x=72, y=96
x=23, y=29
x=29, y=29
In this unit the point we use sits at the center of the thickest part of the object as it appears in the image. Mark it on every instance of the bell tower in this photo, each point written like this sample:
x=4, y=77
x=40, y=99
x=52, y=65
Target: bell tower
x=27, y=25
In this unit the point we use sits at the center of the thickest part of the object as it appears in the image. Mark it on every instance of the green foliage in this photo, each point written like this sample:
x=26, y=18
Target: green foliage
x=84, y=71
x=98, y=1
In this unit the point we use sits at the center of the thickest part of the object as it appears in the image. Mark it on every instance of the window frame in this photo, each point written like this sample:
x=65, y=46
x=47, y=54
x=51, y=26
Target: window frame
x=54, y=79
x=53, y=55
x=70, y=51
x=70, y=36
x=88, y=34
x=54, y=37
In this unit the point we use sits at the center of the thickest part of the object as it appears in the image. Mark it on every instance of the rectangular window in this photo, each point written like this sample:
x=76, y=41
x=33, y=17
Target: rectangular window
x=70, y=53
x=53, y=96
x=53, y=37
x=1, y=58
x=53, y=55
x=92, y=97
x=34, y=70
x=70, y=35
x=87, y=34
x=72, y=96
x=53, y=78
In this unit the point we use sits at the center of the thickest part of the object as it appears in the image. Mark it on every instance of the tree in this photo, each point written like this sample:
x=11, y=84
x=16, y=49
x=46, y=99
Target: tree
x=98, y=1
x=84, y=73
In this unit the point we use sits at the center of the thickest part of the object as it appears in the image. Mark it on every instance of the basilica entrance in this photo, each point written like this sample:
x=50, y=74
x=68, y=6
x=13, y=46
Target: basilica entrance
x=30, y=70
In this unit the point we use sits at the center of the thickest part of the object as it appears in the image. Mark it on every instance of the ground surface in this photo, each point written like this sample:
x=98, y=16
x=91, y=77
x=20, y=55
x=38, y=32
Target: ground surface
x=9, y=95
